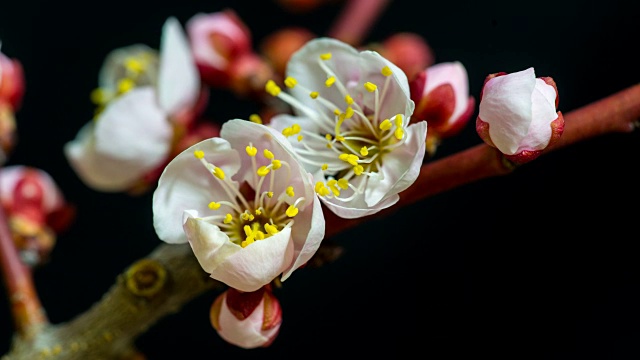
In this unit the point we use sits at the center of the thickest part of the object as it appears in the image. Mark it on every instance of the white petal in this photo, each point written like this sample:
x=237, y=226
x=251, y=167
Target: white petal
x=133, y=129
x=257, y=264
x=401, y=167
x=543, y=113
x=247, y=333
x=506, y=106
x=357, y=209
x=307, y=234
x=185, y=184
x=210, y=245
x=97, y=170
x=178, y=79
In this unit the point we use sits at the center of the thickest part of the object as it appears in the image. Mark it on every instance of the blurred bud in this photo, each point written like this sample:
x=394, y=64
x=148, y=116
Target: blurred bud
x=248, y=74
x=247, y=319
x=12, y=83
x=281, y=44
x=35, y=209
x=518, y=114
x=441, y=94
x=8, y=135
x=217, y=40
x=303, y=6
x=409, y=51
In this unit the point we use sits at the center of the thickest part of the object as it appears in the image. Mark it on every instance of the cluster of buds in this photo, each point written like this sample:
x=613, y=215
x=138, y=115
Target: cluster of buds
x=12, y=85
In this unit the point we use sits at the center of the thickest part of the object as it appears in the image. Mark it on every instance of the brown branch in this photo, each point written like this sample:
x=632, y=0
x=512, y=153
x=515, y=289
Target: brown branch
x=147, y=291
x=150, y=288
x=28, y=314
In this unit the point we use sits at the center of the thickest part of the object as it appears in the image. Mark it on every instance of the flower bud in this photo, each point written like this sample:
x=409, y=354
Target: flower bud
x=409, y=51
x=281, y=44
x=518, y=114
x=35, y=211
x=217, y=40
x=441, y=94
x=11, y=82
x=247, y=319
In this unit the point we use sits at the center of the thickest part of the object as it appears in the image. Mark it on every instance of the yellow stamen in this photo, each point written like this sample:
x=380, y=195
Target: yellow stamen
x=358, y=169
x=255, y=118
x=399, y=133
x=227, y=218
x=251, y=150
x=272, y=88
x=328, y=137
x=343, y=184
x=269, y=194
x=325, y=166
x=370, y=87
x=134, y=65
x=214, y=205
x=292, y=211
x=276, y=164
x=290, y=82
x=320, y=189
x=268, y=154
x=348, y=99
x=330, y=81
x=398, y=120
x=295, y=128
x=124, y=85
x=271, y=229
x=386, y=125
x=325, y=56
x=300, y=138
x=314, y=94
x=217, y=172
x=198, y=154
x=258, y=212
x=290, y=191
x=263, y=171
x=348, y=113
x=386, y=71
x=364, y=151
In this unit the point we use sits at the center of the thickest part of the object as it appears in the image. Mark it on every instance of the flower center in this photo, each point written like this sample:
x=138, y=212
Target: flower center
x=129, y=69
x=355, y=137
x=252, y=214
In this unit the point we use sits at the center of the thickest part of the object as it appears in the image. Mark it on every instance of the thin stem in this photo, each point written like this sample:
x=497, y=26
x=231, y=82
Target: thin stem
x=28, y=313
x=356, y=19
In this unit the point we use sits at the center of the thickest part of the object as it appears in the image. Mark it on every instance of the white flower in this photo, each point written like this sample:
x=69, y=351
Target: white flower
x=133, y=134
x=244, y=204
x=351, y=126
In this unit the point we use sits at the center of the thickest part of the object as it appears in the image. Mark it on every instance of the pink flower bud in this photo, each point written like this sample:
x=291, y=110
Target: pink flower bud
x=441, y=94
x=11, y=82
x=36, y=211
x=518, y=114
x=217, y=40
x=409, y=51
x=278, y=46
x=247, y=319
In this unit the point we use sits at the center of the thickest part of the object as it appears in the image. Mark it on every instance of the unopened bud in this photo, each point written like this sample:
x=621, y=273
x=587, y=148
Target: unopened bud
x=247, y=319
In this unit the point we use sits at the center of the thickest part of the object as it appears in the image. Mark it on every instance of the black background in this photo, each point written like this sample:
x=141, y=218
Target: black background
x=542, y=263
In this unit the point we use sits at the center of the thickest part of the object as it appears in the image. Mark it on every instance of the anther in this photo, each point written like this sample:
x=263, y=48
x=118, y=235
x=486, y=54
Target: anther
x=290, y=82
x=214, y=205
x=255, y=118
x=251, y=150
x=386, y=71
x=325, y=56
x=268, y=154
x=292, y=211
x=272, y=88
x=370, y=87
x=386, y=125
x=330, y=81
